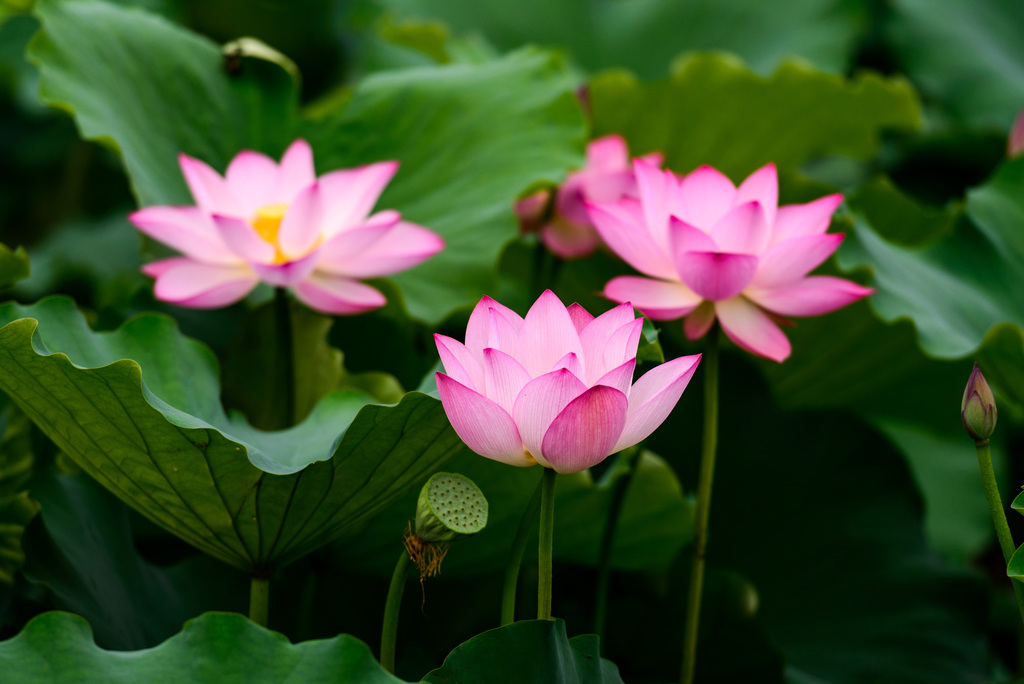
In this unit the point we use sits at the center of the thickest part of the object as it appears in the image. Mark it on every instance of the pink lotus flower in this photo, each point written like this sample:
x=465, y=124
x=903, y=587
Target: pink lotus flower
x=607, y=177
x=280, y=224
x=715, y=251
x=556, y=387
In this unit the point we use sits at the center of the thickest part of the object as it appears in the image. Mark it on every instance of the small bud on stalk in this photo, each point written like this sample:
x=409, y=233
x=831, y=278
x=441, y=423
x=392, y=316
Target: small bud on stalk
x=978, y=409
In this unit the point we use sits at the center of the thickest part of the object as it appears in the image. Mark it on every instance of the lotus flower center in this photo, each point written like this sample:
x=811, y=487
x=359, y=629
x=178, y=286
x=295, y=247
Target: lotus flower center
x=267, y=223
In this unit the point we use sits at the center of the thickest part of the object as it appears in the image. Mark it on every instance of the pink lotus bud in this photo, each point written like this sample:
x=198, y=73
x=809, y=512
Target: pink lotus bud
x=978, y=409
x=1015, y=141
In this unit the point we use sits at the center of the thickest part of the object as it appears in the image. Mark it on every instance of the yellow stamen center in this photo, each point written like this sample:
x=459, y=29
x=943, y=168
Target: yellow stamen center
x=267, y=223
x=529, y=457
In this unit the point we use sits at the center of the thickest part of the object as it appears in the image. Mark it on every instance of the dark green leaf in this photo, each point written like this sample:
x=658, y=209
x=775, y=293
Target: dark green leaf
x=163, y=444
x=713, y=110
x=13, y=266
x=527, y=651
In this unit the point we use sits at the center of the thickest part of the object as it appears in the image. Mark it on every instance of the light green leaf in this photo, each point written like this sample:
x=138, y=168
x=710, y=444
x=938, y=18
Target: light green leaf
x=139, y=410
x=646, y=36
x=215, y=647
x=714, y=110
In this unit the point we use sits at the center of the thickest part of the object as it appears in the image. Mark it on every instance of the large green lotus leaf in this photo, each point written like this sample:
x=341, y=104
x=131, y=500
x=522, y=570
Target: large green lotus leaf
x=821, y=515
x=139, y=410
x=134, y=80
x=968, y=56
x=714, y=110
x=80, y=548
x=655, y=523
x=216, y=647
x=959, y=290
x=646, y=36
x=458, y=176
x=527, y=651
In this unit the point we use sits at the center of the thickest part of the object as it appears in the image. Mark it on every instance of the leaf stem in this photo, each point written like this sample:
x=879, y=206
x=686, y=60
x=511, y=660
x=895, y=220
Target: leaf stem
x=259, y=600
x=611, y=523
x=515, y=559
x=707, y=474
x=286, y=340
x=998, y=512
x=389, y=634
x=546, y=543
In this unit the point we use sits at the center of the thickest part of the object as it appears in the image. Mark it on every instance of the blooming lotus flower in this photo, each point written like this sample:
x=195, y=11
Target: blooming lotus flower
x=281, y=224
x=555, y=388
x=607, y=177
x=715, y=251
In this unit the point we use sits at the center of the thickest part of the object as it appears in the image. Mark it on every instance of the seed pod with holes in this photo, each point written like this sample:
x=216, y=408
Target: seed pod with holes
x=450, y=506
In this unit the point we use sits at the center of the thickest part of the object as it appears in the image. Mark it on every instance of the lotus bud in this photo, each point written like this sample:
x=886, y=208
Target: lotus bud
x=978, y=409
x=1015, y=141
x=450, y=507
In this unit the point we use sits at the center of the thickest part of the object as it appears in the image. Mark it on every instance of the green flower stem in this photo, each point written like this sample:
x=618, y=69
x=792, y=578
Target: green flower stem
x=389, y=635
x=515, y=559
x=259, y=600
x=604, y=558
x=286, y=340
x=707, y=475
x=998, y=512
x=544, y=548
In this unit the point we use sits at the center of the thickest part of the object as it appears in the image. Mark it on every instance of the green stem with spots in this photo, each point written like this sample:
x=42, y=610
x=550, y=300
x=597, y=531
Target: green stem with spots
x=604, y=559
x=546, y=544
x=998, y=513
x=515, y=560
x=286, y=341
x=389, y=634
x=259, y=600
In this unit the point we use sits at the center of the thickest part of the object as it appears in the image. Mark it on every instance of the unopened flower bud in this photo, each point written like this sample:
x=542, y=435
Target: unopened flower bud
x=450, y=506
x=978, y=409
x=1015, y=141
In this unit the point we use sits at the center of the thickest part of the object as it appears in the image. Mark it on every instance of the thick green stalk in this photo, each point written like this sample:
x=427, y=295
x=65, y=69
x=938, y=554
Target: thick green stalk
x=995, y=508
x=707, y=475
x=389, y=635
x=515, y=559
x=286, y=340
x=604, y=558
x=259, y=600
x=544, y=548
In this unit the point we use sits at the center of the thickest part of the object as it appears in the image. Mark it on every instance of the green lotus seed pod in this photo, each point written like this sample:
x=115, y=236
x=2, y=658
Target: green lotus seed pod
x=450, y=506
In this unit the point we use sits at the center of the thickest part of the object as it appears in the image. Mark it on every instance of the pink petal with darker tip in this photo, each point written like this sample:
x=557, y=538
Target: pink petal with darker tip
x=539, y=402
x=547, y=335
x=653, y=397
x=484, y=426
x=789, y=261
x=186, y=229
x=608, y=153
x=584, y=433
x=622, y=228
x=657, y=299
x=705, y=195
x=350, y=194
x=202, y=286
x=296, y=170
x=399, y=247
x=209, y=190
x=621, y=377
x=301, y=225
x=813, y=218
x=655, y=188
x=716, y=275
x=459, y=363
x=751, y=329
x=242, y=239
x=621, y=346
x=572, y=363
x=569, y=241
x=810, y=296
x=254, y=180
x=580, y=316
x=762, y=187
x=478, y=330
x=684, y=237
x=338, y=296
